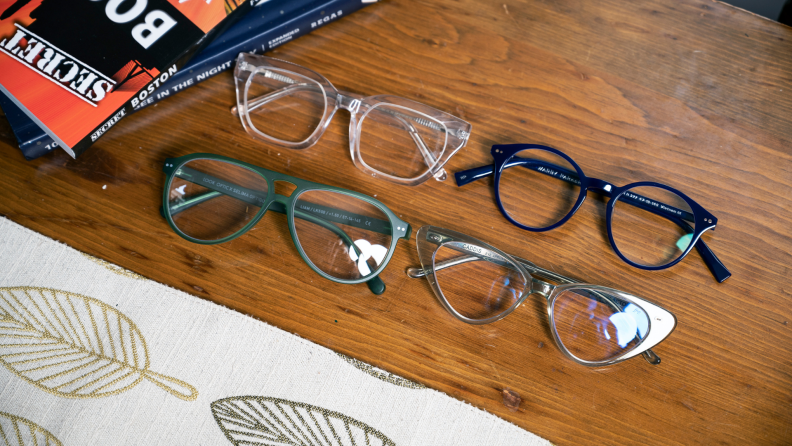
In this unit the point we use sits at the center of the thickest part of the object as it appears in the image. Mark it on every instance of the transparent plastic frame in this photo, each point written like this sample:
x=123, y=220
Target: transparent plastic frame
x=455, y=130
x=430, y=239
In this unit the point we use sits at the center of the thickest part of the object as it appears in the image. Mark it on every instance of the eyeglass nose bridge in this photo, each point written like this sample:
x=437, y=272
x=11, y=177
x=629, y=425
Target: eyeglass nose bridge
x=349, y=101
x=541, y=287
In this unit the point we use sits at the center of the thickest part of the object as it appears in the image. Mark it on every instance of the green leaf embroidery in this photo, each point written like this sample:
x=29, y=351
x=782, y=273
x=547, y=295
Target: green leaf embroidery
x=17, y=431
x=256, y=420
x=75, y=346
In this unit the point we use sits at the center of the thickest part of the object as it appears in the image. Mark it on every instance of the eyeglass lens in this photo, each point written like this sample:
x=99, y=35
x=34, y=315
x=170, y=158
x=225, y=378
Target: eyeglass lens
x=597, y=326
x=400, y=142
x=652, y=226
x=341, y=235
x=202, y=211
x=538, y=188
x=350, y=238
x=477, y=288
x=284, y=105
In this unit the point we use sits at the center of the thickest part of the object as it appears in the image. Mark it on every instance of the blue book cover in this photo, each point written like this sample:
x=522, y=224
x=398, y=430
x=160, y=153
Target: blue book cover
x=260, y=30
x=259, y=37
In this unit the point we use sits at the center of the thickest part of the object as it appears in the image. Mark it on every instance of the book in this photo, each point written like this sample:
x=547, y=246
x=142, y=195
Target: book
x=260, y=30
x=250, y=36
x=77, y=67
x=33, y=141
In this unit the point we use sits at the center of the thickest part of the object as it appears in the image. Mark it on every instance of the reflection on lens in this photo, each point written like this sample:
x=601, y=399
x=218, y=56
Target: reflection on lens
x=539, y=188
x=597, y=326
x=476, y=282
x=652, y=226
x=210, y=200
x=341, y=235
x=400, y=142
x=285, y=105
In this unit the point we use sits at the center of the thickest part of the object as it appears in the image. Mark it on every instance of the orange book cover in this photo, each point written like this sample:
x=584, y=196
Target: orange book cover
x=77, y=67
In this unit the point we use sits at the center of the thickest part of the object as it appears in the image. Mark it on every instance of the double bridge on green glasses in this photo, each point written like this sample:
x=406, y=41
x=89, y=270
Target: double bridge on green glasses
x=323, y=216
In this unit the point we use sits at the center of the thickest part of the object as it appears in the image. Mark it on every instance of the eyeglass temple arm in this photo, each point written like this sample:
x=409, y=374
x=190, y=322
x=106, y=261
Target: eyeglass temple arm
x=295, y=85
x=570, y=176
x=716, y=267
x=375, y=284
x=429, y=159
x=257, y=198
x=344, y=99
x=440, y=175
x=269, y=97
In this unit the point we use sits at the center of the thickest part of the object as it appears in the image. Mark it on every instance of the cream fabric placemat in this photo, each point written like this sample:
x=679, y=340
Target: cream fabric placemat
x=93, y=354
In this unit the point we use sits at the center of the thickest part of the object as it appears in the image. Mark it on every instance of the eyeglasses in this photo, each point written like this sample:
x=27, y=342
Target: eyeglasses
x=650, y=225
x=390, y=137
x=344, y=236
x=591, y=324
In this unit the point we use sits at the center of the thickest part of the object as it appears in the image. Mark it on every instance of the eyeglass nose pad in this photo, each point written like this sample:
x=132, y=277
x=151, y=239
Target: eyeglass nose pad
x=440, y=175
x=651, y=357
x=415, y=272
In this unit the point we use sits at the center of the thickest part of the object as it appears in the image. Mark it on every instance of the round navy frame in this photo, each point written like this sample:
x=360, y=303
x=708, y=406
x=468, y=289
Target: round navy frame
x=503, y=156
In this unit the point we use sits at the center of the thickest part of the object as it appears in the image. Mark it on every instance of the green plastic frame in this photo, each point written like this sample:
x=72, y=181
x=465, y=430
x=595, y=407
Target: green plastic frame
x=395, y=227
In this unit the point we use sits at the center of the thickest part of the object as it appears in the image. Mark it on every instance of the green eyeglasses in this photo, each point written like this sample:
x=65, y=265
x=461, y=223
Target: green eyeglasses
x=344, y=236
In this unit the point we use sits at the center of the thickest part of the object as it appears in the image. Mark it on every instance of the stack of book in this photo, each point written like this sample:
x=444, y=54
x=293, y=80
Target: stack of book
x=265, y=25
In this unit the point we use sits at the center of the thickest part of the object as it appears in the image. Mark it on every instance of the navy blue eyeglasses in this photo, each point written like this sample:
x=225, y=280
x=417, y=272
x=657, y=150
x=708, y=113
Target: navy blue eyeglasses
x=650, y=225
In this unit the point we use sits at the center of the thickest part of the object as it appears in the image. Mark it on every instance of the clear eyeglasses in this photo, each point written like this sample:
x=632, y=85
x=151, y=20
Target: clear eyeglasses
x=591, y=324
x=389, y=137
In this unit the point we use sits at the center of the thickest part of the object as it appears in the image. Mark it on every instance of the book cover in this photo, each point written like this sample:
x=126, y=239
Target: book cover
x=260, y=30
x=250, y=34
x=77, y=67
x=32, y=140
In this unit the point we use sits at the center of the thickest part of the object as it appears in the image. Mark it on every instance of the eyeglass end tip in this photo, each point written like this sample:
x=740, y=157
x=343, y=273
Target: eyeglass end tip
x=415, y=272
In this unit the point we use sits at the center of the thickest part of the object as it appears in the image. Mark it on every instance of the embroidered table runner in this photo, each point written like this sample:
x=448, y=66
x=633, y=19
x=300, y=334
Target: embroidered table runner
x=93, y=354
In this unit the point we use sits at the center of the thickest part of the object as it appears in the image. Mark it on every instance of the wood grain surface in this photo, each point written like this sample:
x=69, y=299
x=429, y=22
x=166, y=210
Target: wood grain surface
x=691, y=93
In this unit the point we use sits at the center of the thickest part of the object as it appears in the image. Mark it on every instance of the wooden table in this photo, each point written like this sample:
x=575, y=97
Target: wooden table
x=692, y=93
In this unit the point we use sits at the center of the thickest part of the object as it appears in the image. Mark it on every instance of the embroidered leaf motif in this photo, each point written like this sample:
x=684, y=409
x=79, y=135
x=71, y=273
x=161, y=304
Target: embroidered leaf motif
x=75, y=346
x=256, y=420
x=113, y=268
x=381, y=374
x=17, y=431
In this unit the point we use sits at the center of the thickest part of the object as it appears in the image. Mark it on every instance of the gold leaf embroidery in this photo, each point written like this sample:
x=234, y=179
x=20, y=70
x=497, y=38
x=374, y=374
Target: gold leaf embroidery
x=114, y=268
x=17, y=431
x=381, y=374
x=75, y=346
x=256, y=420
